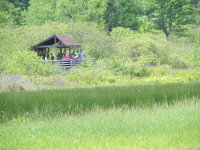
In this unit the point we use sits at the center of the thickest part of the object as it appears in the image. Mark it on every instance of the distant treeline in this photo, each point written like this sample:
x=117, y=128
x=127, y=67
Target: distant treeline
x=139, y=15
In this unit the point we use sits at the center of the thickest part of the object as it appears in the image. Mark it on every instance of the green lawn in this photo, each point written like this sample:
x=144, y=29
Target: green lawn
x=159, y=127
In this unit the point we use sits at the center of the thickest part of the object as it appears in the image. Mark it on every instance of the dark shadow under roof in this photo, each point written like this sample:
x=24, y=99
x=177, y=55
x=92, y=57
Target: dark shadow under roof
x=65, y=41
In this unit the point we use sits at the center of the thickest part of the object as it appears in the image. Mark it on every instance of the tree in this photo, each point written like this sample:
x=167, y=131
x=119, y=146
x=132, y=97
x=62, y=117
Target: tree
x=40, y=11
x=67, y=10
x=123, y=13
x=22, y=4
x=171, y=15
x=81, y=10
x=5, y=13
x=195, y=3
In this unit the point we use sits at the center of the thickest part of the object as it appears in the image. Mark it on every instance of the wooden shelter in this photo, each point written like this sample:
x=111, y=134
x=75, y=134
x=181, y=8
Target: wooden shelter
x=58, y=41
x=61, y=42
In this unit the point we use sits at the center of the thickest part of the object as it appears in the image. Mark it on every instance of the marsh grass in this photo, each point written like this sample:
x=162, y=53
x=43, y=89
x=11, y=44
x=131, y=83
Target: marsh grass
x=78, y=100
x=162, y=127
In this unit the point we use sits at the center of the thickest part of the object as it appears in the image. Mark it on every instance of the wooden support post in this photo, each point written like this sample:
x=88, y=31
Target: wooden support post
x=43, y=53
x=48, y=53
x=70, y=63
x=45, y=57
x=65, y=49
x=69, y=50
x=55, y=40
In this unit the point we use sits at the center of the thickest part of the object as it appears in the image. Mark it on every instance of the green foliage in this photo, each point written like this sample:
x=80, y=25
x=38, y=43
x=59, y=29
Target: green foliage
x=5, y=15
x=9, y=15
x=16, y=42
x=125, y=67
x=134, y=14
x=171, y=15
x=90, y=76
x=163, y=127
x=123, y=13
x=23, y=38
x=150, y=49
x=194, y=36
x=103, y=12
x=71, y=101
x=40, y=11
x=22, y=4
x=26, y=63
x=160, y=70
x=138, y=52
x=81, y=10
x=136, y=46
x=94, y=42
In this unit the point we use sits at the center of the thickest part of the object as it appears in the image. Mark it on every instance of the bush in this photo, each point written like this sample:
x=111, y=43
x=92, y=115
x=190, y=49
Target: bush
x=179, y=62
x=94, y=42
x=16, y=41
x=160, y=70
x=125, y=67
x=26, y=62
x=90, y=76
x=154, y=49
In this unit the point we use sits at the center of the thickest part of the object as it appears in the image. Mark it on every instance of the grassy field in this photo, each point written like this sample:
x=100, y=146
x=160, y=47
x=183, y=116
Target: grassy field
x=149, y=116
x=76, y=100
x=160, y=127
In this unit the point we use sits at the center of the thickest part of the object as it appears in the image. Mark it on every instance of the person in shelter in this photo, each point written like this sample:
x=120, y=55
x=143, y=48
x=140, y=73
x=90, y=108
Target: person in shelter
x=68, y=57
x=81, y=54
x=52, y=57
x=64, y=54
x=73, y=55
x=60, y=55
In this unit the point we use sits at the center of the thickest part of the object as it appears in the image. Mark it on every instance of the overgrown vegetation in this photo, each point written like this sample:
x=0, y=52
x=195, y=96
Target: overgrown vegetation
x=125, y=37
x=124, y=55
x=71, y=101
x=156, y=116
x=143, y=92
x=163, y=127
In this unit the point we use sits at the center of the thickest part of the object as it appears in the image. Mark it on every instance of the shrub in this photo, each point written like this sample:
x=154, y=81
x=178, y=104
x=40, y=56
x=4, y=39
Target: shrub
x=94, y=42
x=126, y=67
x=26, y=62
x=154, y=49
x=90, y=76
x=16, y=41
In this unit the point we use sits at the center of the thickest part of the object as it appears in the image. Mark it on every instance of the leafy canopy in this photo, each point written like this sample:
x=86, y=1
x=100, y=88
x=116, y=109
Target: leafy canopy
x=171, y=15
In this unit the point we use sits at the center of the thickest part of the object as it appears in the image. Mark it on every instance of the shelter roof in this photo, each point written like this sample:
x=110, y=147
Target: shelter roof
x=64, y=41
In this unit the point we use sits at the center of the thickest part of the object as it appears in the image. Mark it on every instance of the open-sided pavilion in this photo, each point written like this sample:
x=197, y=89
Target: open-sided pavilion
x=63, y=43
x=58, y=41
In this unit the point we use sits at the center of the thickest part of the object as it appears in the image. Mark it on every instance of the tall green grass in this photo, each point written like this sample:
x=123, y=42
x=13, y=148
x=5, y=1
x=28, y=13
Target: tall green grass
x=76, y=100
x=163, y=127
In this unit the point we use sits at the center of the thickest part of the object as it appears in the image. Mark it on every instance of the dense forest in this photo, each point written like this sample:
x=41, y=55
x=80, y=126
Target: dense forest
x=138, y=15
x=129, y=38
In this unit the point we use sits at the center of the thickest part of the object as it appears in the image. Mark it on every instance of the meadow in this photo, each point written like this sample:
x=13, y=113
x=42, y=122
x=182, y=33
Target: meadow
x=163, y=127
x=143, y=92
x=141, y=116
x=76, y=100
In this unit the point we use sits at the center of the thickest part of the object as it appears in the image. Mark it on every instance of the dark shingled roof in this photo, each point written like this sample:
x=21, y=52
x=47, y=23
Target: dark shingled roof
x=65, y=40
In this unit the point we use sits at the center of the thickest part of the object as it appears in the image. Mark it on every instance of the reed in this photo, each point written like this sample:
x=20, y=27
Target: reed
x=77, y=100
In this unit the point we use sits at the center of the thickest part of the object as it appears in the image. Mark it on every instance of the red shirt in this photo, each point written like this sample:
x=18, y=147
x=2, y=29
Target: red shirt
x=67, y=57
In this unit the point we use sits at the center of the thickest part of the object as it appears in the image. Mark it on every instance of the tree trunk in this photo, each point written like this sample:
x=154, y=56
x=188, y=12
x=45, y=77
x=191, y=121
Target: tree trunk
x=167, y=34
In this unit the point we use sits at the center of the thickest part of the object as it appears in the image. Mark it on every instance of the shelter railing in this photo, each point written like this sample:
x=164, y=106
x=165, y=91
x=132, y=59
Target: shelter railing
x=71, y=63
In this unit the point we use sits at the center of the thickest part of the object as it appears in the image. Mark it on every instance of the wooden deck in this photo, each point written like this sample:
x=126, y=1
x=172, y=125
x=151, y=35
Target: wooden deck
x=72, y=63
